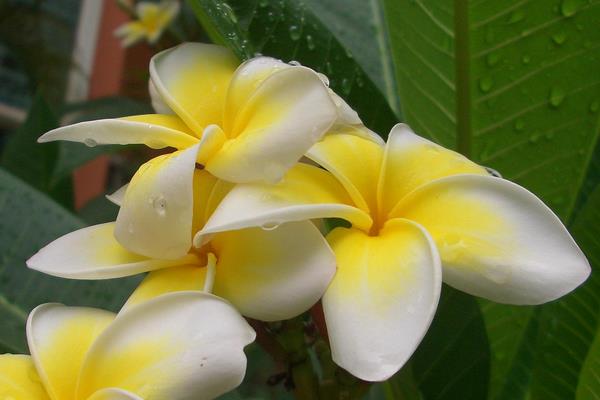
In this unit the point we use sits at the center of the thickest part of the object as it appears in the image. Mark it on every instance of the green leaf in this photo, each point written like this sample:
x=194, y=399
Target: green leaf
x=32, y=162
x=512, y=84
x=30, y=220
x=569, y=326
x=452, y=362
x=288, y=30
x=589, y=381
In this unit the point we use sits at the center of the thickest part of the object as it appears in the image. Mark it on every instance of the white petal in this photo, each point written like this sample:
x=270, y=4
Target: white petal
x=118, y=196
x=183, y=345
x=94, y=253
x=306, y=192
x=278, y=123
x=59, y=338
x=273, y=275
x=496, y=239
x=155, y=219
x=382, y=298
x=124, y=131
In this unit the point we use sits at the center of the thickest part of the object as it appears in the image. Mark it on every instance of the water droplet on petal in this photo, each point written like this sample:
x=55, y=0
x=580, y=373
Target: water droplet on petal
x=160, y=205
x=89, y=142
x=295, y=63
x=493, y=172
x=324, y=79
x=557, y=96
x=269, y=226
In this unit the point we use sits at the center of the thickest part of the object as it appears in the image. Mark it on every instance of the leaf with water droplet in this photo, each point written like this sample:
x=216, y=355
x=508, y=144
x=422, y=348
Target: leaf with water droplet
x=295, y=32
x=594, y=106
x=516, y=16
x=486, y=83
x=557, y=96
x=559, y=38
x=569, y=8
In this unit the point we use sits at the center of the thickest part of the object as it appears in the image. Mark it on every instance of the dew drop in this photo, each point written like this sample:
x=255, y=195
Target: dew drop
x=525, y=59
x=557, y=96
x=346, y=85
x=516, y=16
x=263, y=3
x=568, y=8
x=295, y=63
x=595, y=106
x=269, y=226
x=486, y=83
x=228, y=13
x=160, y=205
x=534, y=138
x=89, y=142
x=310, y=42
x=295, y=32
x=492, y=59
x=324, y=79
x=519, y=124
x=559, y=38
x=493, y=172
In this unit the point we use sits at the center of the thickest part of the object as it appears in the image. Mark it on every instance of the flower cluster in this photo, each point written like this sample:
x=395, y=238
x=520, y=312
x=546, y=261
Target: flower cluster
x=225, y=225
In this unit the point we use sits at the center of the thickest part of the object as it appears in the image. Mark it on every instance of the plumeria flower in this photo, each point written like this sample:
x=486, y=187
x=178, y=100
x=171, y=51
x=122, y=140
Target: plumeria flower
x=240, y=123
x=152, y=20
x=267, y=274
x=185, y=345
x=419, y=213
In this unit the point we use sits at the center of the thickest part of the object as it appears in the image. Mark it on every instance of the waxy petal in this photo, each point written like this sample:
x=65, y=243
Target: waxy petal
x=496, y=239
x=382, y=298
x=192, y=79
x=273, y=275
x=306, y=192
x=118, y=196
x=183, y=345
x=174, y=279
x=284, y=117
x=355, y=162
x=411, y=161
x=113, y=394
x=153, y=130
x=19, y=379
x=94, y=253
x=59, y=338
x=155, y=219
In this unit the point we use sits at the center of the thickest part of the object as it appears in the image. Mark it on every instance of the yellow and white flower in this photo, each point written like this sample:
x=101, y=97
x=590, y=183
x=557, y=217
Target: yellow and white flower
x=419, y=213
x=184, y=345
x=269, y=275
x=240, y=123
x=152, y=20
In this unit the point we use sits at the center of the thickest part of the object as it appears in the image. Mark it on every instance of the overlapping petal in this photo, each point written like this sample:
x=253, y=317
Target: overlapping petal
x=192, y=79
x=411, y=161
x=180, y=345
x=355, y=162
x=284, y=116
x=94, y=253
x=273, y=275
x=306, y=192
x=113, y=394
x=19, y=378
x=59, y=338
x=155, y=219
x=496, y=239
x=154, y=130
x=382, y=298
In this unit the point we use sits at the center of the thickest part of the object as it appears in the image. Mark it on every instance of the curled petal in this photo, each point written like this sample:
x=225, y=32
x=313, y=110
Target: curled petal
x=382, y=298
x=192, y=79
x=94, y=253
x=59, y=338
x=496, y=239
x=183, y=345
x=306, y=192
x=155, y=219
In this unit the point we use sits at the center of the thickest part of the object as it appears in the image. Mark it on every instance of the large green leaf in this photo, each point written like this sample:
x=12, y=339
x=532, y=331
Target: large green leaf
x=512, y=84
x=287, y=29
x=452, y=362
x=28, y=221
x=568, y=326
x=589, y=382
